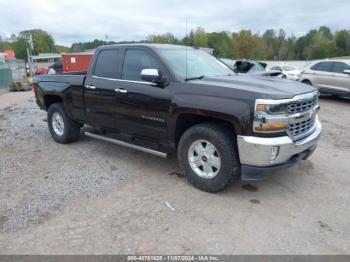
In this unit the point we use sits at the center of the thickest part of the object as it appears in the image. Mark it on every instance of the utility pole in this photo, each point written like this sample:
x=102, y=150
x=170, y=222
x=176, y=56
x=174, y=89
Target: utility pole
x=30, y=50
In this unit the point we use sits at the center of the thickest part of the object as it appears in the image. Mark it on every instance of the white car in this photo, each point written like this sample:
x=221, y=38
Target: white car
x=329, y=76
x=288, y=71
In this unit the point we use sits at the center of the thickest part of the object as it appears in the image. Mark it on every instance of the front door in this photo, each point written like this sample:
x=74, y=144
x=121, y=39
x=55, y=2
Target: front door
x=142, y=106
x=341, y=81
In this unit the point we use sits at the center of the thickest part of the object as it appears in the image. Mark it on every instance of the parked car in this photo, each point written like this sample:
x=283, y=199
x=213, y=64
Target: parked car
x=244, y=66
x=288, y=71
x=329, y=76
x=168, y=99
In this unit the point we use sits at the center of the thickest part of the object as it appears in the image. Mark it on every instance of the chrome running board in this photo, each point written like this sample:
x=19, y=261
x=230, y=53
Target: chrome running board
x=122, y=143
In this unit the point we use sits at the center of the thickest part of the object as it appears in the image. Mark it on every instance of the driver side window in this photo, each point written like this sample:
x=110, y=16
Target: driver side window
x=136, y=60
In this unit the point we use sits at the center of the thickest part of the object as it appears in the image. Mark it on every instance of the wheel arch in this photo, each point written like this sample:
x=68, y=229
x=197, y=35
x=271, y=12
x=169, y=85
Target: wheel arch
x=51, y=99
x=187, y=120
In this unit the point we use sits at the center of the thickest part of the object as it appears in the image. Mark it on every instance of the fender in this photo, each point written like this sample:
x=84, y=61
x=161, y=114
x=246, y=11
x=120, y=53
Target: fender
x=237, y=112
x=59, y=89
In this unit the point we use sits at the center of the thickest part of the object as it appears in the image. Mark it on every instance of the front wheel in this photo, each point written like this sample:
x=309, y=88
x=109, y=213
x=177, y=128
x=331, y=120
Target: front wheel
x=208, y=155
x=63, y=129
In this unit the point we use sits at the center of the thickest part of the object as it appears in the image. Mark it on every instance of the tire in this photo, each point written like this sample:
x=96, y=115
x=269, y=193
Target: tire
x=284, y=77
x=63, y=129
x=196, y=164
x=307, y=82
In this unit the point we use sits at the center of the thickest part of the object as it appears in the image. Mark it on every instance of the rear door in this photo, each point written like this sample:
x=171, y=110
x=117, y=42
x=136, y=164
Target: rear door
x=341, y=81
x=99, y=90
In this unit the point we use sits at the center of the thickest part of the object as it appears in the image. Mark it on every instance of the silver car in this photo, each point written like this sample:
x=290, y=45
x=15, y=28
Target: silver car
x=329, y=76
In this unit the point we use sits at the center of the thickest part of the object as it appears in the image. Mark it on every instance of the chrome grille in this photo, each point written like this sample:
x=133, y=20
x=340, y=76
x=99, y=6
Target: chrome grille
x=299, y=128
x=302, y=106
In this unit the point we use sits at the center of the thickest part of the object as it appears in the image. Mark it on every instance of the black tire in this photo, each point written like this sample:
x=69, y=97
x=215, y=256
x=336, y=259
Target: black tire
x=71, y=129
x=224, y=141
x=284, y=77
x=307, y=82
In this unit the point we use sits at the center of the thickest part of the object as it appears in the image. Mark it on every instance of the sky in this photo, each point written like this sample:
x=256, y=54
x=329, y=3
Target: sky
x=72, y=21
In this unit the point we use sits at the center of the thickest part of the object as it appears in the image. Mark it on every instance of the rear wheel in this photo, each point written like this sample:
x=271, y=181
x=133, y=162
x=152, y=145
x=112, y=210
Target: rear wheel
x=208, y=155
x=63, y=129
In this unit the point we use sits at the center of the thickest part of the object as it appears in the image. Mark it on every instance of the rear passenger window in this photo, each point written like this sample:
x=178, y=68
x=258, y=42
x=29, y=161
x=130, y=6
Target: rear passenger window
x=107, y=64
x=135, y=61
x=339, y=67
x=325, y=66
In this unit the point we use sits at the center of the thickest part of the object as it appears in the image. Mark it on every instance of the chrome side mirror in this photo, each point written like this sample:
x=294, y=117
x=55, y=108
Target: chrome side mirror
x=151, y=75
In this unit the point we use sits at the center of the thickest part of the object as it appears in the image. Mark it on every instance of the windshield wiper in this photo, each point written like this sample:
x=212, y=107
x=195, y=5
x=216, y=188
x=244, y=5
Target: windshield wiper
x=194, y=78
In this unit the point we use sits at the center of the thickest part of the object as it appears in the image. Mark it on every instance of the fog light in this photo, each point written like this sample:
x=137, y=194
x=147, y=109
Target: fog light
x=274, y=152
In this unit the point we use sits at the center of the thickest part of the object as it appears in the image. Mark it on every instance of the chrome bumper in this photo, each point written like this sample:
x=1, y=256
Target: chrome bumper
x=257, y=151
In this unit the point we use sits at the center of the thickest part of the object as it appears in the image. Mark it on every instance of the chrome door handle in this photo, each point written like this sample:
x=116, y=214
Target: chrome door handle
x=90, y=87
x=120, y=90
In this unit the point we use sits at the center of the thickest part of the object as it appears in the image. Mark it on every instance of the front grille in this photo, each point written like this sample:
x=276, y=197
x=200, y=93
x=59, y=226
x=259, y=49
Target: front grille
x=302, y=106
x=299, y=128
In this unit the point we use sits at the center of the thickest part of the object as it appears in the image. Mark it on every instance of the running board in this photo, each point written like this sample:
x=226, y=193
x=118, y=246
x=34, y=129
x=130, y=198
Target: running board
x=122, y=143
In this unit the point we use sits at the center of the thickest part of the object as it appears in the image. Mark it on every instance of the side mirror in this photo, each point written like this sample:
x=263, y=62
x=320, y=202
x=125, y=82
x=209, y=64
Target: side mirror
x=347, y=72
x=152, y=75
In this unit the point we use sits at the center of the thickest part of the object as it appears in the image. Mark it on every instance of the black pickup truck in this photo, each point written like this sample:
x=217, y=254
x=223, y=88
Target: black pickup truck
x=165, y=99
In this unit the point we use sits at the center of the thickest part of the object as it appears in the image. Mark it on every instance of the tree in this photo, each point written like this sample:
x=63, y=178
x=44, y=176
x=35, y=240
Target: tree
x=200, y=37
x=167, y=38
x=342, y=41
x=221, y=43
x=20, y=48
x=43, y=41
x=62, y=49
x=249, y=45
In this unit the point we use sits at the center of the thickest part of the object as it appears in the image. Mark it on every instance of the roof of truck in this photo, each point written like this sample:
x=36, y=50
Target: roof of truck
x=153, y=46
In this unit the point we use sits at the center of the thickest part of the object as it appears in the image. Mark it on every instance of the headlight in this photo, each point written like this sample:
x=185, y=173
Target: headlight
x=273, y=109
x=267, y=117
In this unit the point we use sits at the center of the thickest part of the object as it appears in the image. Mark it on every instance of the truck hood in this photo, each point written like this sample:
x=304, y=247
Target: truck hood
x=259, y=86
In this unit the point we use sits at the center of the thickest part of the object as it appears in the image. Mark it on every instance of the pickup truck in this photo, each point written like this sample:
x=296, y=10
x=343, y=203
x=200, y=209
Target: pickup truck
x=169, y=99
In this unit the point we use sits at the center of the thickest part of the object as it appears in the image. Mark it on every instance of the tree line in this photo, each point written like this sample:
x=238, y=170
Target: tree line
x=271, y=45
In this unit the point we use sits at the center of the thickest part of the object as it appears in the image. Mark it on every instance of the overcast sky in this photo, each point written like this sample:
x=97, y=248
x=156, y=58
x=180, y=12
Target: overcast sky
x=84, y=20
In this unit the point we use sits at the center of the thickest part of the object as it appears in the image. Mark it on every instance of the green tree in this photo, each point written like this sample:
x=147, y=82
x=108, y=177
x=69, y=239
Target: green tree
x=62, y=49
x=167, y=38
x=342, y=41
x=20, y=48
x=200, y=37
x=249, y=45
x=43, y=41
x=221, y=43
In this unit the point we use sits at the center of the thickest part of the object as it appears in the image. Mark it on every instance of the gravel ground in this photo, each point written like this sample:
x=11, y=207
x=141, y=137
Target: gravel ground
x=91, y=197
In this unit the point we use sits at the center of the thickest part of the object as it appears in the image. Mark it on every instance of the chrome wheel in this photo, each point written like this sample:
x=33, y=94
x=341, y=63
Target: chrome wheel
x=204, y=159
x=57, y=123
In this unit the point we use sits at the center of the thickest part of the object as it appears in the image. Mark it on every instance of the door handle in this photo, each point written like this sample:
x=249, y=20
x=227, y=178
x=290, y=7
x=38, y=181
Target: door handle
x=120, y=90
x=90, y=87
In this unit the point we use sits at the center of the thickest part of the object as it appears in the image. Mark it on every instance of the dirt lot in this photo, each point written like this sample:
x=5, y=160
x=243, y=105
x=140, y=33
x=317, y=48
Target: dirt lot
x=94, y=197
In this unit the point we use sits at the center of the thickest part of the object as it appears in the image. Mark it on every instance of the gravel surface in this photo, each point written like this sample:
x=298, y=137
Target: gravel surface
x=95, y=197
x=23, y=125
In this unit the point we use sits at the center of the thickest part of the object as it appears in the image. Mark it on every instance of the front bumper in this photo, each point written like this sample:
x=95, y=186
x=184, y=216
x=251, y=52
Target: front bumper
x=255, y=152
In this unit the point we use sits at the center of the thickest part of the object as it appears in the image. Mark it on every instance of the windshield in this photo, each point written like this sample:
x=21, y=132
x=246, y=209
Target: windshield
x=199, y=63
x=288, y=68
x=256, y=69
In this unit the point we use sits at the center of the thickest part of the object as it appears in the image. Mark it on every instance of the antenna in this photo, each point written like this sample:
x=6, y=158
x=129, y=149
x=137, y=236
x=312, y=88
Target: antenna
x=186, y=47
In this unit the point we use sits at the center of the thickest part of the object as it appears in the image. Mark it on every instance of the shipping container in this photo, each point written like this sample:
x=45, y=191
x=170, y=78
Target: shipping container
x=76, y=62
